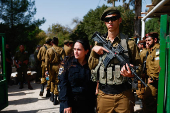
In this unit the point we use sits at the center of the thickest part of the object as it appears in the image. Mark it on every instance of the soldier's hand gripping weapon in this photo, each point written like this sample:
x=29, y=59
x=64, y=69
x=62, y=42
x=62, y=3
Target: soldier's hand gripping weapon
x=117, y=52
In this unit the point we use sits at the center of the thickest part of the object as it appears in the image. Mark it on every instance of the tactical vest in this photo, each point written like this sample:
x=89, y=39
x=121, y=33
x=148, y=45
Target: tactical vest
x=111, y=75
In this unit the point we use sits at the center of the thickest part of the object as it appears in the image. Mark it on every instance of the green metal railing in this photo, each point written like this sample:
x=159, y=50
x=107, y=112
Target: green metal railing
x=164, y=76
x=3, y=82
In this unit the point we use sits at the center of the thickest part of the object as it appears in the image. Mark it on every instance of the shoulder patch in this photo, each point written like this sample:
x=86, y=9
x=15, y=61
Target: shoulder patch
x=61, y=69
x=157, y=51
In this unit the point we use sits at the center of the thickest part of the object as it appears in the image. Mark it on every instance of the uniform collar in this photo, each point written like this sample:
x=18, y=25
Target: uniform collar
x=117, y=38
x=54, y=46
x=154, y=47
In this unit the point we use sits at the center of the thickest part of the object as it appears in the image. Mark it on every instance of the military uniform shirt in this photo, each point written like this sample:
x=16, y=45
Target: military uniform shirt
x=21, y=56
x=68, y=50
x=152, y=62
x=54, y=57
x=134, y=59
x=132, y=50
x=42, y=52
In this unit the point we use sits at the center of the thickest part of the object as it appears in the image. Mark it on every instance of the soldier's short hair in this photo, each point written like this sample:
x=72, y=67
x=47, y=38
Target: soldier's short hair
x=55, y=40
x=153, y=35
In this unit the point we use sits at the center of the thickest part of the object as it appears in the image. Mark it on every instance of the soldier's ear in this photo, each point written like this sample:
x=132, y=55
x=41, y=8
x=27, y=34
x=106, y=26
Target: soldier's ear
x=155, y=40
x=120, y=20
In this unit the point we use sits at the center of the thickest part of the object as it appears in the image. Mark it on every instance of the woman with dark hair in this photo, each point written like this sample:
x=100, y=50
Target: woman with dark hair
x=77, y=91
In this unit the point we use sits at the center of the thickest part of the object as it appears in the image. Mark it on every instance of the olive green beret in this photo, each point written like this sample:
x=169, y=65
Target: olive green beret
x=48, y=39
x=70, y=41
x=108, y=11
x=66, y=41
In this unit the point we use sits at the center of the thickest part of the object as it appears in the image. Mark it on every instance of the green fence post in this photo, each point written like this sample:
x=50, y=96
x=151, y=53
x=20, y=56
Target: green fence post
x=163, y=75
x=3, y=82
x=168, y=60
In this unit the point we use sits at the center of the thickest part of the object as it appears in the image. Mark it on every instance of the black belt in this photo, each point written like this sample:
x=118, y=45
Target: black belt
x=114, y=89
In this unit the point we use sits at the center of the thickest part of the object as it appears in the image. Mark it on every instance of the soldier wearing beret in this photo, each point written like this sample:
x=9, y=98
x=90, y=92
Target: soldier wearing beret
x=21, y=62
x=41, y=57
x=153, y=68
x=143, y=55
x=115, y=93
x=67, y=48
x=53, y=58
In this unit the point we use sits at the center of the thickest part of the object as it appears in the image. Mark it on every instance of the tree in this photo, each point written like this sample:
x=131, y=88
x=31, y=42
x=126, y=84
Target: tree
x=137, y=6
x=60, y=31
x=22, y=27
x=91, y=23
x=152, y=25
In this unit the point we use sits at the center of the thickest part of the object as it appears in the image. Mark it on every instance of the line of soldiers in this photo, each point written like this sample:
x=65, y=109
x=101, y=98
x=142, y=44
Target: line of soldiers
x=51, y=56
x=149, y=53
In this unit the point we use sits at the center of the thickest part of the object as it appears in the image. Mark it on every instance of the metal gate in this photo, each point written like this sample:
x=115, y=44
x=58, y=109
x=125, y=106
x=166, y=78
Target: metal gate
x=3, y=81
x=164, y=76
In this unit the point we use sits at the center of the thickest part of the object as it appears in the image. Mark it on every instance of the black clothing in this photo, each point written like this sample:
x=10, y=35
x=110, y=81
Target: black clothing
x=8, y=65
x=76, y=88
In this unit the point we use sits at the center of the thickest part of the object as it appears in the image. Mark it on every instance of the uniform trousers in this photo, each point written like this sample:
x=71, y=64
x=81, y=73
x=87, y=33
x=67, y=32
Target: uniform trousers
x=115, y=103
x=54, y=78
x=43, y=79
x=150, y=98
x=22, y=73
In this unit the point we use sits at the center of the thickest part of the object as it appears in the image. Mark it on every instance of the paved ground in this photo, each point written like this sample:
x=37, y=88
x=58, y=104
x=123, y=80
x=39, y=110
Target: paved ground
x=29, y=101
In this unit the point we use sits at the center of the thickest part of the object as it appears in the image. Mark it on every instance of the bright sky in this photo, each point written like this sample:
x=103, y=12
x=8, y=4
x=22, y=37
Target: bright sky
x=64, y=11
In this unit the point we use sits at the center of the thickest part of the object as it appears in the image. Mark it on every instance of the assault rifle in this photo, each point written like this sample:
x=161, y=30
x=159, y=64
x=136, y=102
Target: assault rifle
x=117, y=52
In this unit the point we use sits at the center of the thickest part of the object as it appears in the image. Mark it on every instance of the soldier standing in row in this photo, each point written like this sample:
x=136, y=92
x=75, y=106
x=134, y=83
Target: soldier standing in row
x=153, y=69
x=41, y=57
x=53, y=58
x=37, y=65
x=143, y=55
x=115, y=93
x=68, y=50
x=21, y=63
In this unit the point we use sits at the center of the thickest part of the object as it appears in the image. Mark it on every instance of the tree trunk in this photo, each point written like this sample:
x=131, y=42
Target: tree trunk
x=137, y=23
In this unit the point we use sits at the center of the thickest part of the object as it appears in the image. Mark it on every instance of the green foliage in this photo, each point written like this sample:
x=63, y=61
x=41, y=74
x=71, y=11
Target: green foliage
x=20, y=26
x=152, y=25
x=91, y=23
x=59, y=31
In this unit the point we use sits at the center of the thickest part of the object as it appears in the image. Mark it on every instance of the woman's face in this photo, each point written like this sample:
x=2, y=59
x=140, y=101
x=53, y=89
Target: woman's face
x=79, y=51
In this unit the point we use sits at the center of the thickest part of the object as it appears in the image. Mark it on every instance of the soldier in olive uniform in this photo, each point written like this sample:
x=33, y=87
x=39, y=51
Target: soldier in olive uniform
x=153, y=68
x=115, y=93
x=21, y=62
x=41, y=57
x=37, y=65
x=68, y=50
x=53, y=58
x=143, y=54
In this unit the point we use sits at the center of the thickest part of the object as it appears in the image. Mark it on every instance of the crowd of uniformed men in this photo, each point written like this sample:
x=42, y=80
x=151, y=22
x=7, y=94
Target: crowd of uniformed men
x=114, y=92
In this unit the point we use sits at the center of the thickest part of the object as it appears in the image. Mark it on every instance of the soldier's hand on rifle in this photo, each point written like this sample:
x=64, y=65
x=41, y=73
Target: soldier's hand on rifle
x=99, y=49
x=150, y=80
x=125, y=71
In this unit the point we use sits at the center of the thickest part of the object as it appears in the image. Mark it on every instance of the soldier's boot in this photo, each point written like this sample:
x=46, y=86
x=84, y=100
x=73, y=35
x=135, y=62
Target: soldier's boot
x=29, y=86
x=48, y=93
x=42, y=90
x=55, y=100
x=52, y=97
x=21, y=85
